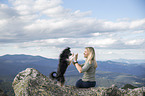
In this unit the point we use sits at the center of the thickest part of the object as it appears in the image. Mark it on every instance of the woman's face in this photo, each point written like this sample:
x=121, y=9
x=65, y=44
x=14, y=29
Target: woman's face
x=86, y=53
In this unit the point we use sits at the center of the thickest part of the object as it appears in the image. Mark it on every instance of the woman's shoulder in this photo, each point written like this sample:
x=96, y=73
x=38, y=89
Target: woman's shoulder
x=91, y=62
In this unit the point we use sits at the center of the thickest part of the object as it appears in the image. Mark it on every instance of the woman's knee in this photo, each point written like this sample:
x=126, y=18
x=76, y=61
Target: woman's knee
x=82, y=84
x=79, y=83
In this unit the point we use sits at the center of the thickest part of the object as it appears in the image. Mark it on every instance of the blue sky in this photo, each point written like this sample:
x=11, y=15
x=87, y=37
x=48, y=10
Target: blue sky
x=109, y=9
x=115, y=28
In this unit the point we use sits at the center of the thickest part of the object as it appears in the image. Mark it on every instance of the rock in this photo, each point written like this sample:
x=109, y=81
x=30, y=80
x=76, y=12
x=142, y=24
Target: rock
x=113, y=91
x=31, y=82
x=128, y=86
x=2, y=93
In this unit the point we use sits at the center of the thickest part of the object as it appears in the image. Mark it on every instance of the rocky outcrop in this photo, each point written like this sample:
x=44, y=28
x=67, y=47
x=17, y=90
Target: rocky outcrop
x=31, y=82
x=2, y=93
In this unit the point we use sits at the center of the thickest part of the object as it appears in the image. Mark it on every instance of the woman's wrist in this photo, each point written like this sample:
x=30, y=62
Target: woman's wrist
x=75, y=61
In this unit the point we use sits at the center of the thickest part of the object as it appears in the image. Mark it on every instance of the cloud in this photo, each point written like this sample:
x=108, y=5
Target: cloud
x=138, y=24
x=43, y=43
x=36, y=23
x=6, y=12
x=135, y=42
x=124, y=25
x=102, y=42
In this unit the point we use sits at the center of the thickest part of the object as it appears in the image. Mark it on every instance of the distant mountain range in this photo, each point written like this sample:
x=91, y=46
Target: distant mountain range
x=131, y=61
x=13, y=64
x=107, y=73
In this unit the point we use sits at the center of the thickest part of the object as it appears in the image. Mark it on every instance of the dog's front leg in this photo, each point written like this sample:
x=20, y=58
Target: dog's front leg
x=60, y=84
x=71, y=59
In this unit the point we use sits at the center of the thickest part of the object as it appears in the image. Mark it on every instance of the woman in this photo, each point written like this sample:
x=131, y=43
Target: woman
x=88, y=68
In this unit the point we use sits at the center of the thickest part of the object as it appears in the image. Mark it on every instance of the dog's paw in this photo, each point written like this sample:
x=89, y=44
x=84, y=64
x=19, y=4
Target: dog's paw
x=71, y=57
x=60, y=84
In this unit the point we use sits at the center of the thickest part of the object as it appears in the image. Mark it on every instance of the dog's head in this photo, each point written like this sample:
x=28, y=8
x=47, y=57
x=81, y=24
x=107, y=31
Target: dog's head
x=66, y=52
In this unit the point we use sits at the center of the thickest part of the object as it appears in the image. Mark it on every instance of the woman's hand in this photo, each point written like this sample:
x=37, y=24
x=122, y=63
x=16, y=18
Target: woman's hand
x=75, y=63
x=75, y=59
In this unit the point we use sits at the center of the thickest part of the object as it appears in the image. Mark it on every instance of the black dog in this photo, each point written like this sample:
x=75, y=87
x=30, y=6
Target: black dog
x=64, y=61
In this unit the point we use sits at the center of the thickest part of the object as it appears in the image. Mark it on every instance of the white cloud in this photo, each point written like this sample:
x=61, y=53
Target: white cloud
x=25, y=22
x=43, y=43
x=6, y=12
x=139, y=31
x=101, y=42
x=135, y=42
x=46, y=23
x=116, y=26
x=138, y=24
x=3, y=22
x=124, y=25
x=96, y=34
x=41, y=5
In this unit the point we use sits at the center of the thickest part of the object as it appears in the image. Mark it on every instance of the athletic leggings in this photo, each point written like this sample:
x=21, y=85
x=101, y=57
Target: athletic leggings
x=85, y=84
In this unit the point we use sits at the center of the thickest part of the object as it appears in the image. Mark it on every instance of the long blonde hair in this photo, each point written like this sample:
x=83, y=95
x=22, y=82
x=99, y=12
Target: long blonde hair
x=91, y=57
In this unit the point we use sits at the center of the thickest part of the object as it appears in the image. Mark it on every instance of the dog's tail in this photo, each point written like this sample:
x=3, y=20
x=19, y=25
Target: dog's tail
x=51, y=75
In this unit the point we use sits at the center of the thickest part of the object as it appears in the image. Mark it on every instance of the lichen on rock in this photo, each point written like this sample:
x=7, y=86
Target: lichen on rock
x=31, y=82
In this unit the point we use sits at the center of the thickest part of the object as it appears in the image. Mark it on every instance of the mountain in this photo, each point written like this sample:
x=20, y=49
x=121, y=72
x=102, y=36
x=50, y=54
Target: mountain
x=107, y=73
x=119, y=67
x=130, y=61
x=12, y=64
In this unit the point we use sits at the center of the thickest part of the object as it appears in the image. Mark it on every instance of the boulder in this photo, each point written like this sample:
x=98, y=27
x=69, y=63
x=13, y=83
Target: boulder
x=30, y=82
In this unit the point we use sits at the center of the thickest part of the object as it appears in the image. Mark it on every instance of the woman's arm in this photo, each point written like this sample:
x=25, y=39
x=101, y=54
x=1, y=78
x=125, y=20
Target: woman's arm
x=75, y=63
x=79, y=68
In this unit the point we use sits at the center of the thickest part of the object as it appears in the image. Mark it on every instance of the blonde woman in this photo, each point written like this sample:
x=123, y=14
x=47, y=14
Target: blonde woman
x=88, y=68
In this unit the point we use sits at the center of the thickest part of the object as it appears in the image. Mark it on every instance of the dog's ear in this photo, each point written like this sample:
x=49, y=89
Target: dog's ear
x=68, y=48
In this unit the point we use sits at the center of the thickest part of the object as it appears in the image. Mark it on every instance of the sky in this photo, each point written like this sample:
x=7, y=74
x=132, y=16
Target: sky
x=115, y=28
